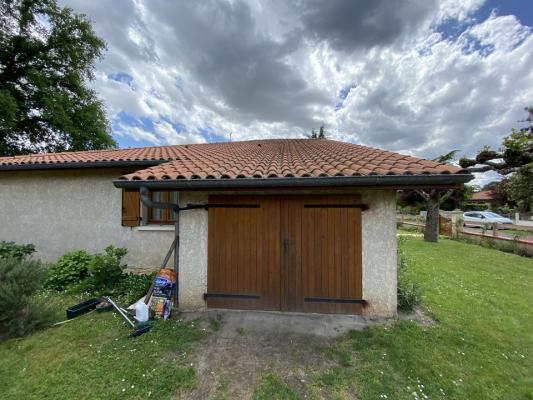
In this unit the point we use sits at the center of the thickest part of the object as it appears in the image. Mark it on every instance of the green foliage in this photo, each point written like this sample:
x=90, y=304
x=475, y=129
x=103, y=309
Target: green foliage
x=520, y=187
x=321, y=134
x=69, y=270
x=97, y=274
x=21, y=312
x=516, y=151
x=132, y=287
x=47, y=57
x=105, y=270
x=13, y=250
x=446, y=158
x=408, y=291
x=474, y=206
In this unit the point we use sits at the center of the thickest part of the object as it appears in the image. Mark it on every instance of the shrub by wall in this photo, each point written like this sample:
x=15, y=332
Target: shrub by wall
x=13, y=250
x=98, y=274
x=20, y=310
x=408, y=291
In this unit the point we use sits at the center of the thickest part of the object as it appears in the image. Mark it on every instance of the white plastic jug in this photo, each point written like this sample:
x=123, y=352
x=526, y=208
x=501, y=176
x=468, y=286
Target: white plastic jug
x=141, y=311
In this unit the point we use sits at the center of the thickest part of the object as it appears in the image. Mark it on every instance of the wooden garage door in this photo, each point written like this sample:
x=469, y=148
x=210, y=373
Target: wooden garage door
x=244, y=252
x=291, y=253
x=321, y=258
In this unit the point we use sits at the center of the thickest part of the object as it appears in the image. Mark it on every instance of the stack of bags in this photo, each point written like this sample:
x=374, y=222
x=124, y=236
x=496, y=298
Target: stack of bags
x=164, y=287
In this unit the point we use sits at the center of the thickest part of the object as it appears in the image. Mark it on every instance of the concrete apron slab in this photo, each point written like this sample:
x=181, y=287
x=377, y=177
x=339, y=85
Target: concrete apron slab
x=321, y=325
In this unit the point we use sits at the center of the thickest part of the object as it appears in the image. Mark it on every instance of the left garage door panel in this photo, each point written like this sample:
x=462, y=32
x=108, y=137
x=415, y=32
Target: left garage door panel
x=244, y=252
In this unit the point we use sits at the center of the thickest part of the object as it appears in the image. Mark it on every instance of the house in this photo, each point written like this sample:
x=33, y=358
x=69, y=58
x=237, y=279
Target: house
x=305, y=225
x=487, y=197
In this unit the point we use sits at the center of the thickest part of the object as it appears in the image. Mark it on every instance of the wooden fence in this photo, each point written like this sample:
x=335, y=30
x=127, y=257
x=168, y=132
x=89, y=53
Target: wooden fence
x=452, y=226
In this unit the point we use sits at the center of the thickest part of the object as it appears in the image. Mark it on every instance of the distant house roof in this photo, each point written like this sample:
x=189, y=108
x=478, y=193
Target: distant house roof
x=256, y=160
x=483, y=196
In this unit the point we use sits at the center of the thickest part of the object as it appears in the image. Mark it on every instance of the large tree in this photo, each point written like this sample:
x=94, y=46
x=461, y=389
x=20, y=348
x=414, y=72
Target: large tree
x=47, y=56
x=514, y=161
x=434, y=198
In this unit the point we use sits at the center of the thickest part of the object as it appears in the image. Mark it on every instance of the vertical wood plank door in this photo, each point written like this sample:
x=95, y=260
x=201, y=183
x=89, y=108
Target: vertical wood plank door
x=244, y=252
x=321, y=254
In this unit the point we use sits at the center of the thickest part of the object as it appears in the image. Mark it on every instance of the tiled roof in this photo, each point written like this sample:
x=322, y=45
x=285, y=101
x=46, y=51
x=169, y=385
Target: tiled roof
x=286, y=158
x=485, y=195
x=255, y=159
x=163, y=153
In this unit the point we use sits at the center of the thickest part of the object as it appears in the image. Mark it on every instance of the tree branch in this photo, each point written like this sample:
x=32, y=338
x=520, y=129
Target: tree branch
x=423, y=194
x=446, y=195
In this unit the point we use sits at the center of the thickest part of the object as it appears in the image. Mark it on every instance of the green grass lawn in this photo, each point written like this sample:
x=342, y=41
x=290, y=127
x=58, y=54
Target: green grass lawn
x=480, y=346
x=91, y=357
x=513, y=232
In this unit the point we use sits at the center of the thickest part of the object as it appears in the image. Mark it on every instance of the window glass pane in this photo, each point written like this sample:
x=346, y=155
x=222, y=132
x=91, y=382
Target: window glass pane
x=157, y=213
x=173, y=198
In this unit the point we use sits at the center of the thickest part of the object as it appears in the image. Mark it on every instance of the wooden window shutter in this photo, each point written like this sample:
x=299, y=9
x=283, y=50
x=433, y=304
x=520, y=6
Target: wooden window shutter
x=131, y=207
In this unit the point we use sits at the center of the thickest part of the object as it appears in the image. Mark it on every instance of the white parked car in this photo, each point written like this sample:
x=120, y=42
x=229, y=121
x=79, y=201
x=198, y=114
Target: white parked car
x=484, y=218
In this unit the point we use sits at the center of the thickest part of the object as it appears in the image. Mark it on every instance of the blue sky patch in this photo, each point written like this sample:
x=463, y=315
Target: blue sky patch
x=125, y=119
x=343, y=93
x=210, y=136
x=122, y=77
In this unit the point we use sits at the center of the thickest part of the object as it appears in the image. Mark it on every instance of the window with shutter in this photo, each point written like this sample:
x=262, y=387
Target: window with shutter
x=131, y=207
x=162, y=216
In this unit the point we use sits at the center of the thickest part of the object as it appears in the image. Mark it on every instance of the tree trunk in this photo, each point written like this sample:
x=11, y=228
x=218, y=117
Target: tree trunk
x=431, y=232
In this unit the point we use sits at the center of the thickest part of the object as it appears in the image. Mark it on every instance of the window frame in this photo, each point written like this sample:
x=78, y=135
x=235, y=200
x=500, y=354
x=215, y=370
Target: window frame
x=165, y=212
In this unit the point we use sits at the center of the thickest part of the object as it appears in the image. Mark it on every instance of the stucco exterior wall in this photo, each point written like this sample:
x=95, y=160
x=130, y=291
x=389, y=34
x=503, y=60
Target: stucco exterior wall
x=193, y=252
x=60, y=211
x=379, y=253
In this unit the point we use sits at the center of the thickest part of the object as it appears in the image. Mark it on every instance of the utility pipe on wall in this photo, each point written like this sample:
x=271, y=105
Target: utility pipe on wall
x=147, y=201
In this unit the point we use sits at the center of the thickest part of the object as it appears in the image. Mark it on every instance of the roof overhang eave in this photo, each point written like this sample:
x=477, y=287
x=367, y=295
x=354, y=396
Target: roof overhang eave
x=400, y=181
x=78, y=165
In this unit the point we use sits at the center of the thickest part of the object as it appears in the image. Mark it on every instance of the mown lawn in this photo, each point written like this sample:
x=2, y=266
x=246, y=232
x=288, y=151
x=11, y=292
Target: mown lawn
x=480, y=346
x=91, y=357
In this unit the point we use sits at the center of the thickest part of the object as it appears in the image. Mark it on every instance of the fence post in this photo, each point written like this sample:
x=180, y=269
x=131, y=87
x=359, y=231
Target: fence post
x=457, y=218
x=516, y=218
x=495, y=229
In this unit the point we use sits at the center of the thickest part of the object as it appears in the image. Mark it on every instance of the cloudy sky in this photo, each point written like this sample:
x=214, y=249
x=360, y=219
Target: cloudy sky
x=420, y=77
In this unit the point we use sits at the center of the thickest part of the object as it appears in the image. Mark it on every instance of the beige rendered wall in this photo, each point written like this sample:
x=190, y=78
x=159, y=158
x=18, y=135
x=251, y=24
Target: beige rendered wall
x=379, y=253
x=193, y=252
x=60, y=211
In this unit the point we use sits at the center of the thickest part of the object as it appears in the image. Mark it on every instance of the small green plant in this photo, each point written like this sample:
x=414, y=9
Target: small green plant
x=132, y=287
x=408, y=291
x=97, y=274
x=69, y=270
x=21, y=311
x=13, y=250
x=106, y=270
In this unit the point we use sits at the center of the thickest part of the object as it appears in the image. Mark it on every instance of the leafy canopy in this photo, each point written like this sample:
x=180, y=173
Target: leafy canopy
x=514, y=161
x=47, y=56
x=516, y=151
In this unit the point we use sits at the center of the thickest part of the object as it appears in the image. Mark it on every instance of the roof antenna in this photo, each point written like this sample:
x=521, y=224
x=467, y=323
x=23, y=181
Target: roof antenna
x=231, y=133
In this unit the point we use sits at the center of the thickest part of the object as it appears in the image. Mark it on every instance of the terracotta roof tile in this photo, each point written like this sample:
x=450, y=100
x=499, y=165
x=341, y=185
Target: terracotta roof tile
x=249, y=159
x=290, y=158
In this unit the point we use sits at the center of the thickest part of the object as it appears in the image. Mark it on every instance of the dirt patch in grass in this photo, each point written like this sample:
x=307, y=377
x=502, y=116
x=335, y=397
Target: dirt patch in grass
x=234, y=363
x=418, y=316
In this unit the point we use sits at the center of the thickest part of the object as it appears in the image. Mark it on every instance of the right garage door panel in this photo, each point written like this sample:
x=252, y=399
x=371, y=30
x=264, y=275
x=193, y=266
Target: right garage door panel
x=321, y=254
